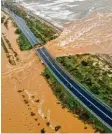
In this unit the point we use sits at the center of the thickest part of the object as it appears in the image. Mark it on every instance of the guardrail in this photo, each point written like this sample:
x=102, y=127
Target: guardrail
x=88, y=109
x=92, y=95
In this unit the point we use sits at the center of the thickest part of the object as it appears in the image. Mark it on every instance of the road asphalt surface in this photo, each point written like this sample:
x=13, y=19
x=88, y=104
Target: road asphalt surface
x=101, y=111
x=24, y=28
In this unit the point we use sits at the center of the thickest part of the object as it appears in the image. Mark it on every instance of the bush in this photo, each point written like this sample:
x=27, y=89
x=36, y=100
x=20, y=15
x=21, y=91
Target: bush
x=2, y=19
x=67, y=100
x=23, y=42
x=92, y=76
x=6, y=23
x=41, y=30
x=18, y=31
x=95, y=89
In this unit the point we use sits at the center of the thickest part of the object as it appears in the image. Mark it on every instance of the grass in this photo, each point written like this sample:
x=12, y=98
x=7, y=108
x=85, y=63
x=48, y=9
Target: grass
x=2, y=19
x=41, y=30
x=18, y=31
x=6, y=23
x=91, y=72
x=3, y=45
x=12, y=58
x=8, y=42
x=70, y=102
x=23, y=42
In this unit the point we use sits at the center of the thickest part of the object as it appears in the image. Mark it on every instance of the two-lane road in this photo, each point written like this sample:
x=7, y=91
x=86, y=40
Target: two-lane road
x=101, y=111
x=24, y=28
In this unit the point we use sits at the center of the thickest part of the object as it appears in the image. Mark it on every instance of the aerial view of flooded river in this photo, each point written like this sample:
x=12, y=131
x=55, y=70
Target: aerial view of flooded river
x=62, y=12
x=28, y=102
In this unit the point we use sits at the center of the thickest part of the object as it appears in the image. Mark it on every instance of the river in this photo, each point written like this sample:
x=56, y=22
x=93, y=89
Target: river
x=62, y=12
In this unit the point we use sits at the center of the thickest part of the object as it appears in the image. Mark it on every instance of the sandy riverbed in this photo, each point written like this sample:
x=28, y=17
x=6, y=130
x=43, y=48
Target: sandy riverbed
x=27, y=100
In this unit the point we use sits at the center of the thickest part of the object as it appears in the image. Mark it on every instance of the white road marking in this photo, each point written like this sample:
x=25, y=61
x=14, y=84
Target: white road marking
x=75, y=88
x=24, y=30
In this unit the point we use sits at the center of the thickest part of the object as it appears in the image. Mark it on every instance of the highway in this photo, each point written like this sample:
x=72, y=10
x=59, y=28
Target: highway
x=101, y=111
x=98, y=109
x=24, y=28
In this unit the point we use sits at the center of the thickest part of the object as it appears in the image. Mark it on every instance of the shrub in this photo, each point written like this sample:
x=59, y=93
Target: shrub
x=18, y=31
x=2, y=19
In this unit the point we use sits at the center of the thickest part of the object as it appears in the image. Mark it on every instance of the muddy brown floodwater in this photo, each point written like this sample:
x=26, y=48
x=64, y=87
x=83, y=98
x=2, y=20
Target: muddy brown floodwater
x=28, y=103
x=92, y=34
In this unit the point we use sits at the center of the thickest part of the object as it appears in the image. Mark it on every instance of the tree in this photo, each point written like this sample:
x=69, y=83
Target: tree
x=84, y=63
x=95, y=88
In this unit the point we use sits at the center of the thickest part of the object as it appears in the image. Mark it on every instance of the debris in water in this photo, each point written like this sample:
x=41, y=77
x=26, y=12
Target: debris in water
x=32, y=96
x=23, y=96
x=36, y=119
x=25, y=101
x=57, y=128
x=19, y=91
x=42, y=130
x=63, y=106
x=37, y=100
x=48, y=123
x=32, y=113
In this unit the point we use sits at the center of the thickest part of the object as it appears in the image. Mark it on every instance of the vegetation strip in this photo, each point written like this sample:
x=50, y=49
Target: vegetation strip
x=41, y=30
x=2, y=19
x=3, y=45
x=93, y=73
x=87, y=81
x=67, y=100
x=23, y=42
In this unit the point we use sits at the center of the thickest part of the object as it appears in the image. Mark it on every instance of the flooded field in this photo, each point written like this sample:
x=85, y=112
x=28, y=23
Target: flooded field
x=28, y=103
x=92, y=34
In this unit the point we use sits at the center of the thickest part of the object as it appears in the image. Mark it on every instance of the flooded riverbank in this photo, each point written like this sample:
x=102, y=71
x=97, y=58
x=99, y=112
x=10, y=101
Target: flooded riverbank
x=63, y=12
x=28, y=103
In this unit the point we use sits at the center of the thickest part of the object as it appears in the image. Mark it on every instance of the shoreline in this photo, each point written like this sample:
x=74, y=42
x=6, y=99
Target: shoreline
x=58, y=29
